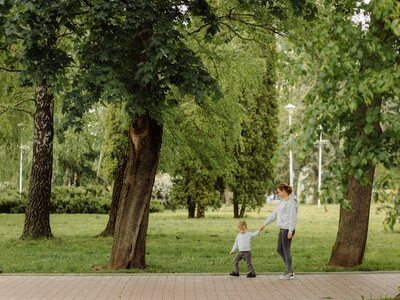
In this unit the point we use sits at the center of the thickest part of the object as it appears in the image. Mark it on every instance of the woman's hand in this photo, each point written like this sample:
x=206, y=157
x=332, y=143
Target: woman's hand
x=289, y=235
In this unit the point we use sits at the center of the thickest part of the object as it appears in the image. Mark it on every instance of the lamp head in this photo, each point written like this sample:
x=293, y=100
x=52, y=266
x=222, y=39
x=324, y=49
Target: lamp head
x=319, y=128
x=290, y=107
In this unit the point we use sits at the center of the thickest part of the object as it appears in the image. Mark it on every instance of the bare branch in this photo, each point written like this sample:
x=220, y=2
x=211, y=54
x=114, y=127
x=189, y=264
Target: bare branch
x=16, y=106
x=24, y=101
x=9, y=70
x=7, y=109
x=25, y=91
x=239, y=36
x=264, y=26
x=209, y=56
x=198, y=29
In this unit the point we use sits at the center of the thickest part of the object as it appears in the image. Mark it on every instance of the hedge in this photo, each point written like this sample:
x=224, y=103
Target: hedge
x=70, y=200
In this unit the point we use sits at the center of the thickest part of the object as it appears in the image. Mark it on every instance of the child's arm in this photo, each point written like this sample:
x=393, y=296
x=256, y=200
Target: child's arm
x=235, y=246
x=255, y=233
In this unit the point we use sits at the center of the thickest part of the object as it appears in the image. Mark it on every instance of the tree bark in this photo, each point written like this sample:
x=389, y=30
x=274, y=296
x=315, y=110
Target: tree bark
x=351, y=239
x=235, y=209
x=220, y=187
x=191, y=207
x=131, y=225
x=200, y=211
x=77, y=178
x=139, y=258
x=242, y=210
x=67, y=179
x=118, y=184
x=37, y=213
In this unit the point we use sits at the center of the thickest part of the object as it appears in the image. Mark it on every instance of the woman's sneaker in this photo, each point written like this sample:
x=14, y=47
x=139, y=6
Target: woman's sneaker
x=287, y=276
x=251, y=275
x=234, y=274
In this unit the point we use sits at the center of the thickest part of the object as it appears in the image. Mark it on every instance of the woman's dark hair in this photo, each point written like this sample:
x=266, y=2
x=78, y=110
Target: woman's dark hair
x=285, y=187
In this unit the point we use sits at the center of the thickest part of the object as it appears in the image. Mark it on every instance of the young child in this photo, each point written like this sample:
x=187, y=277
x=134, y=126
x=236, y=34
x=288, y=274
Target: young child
x=243, y=243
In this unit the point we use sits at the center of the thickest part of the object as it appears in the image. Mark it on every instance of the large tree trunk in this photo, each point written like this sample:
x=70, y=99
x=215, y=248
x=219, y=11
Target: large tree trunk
x=118, y=183
x=351, y=239
x=145, y=143
x=37, y=213
x=139, y=258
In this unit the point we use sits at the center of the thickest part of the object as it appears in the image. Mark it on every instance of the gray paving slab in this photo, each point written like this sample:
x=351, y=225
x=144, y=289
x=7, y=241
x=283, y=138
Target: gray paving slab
x=307, y=286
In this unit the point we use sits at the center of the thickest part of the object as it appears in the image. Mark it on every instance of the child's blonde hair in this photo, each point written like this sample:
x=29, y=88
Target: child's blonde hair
x=242, y=224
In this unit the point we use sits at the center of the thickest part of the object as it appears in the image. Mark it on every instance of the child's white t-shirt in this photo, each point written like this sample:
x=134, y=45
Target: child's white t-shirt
x=243, y=241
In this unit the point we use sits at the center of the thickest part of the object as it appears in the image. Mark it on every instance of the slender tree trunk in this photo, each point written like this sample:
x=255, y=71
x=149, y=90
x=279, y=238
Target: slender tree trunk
x=242, y=210
x=145, y=143
x=351, y=239
x=118, y=183
x=200, y=211
x=37, y=213
x=191, y=207
x=67, y=179
x=77, y=178
x=235, y=208
x=220, y=187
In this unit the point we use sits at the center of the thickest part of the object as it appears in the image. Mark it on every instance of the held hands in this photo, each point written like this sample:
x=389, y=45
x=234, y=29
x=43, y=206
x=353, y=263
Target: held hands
x=261, y=228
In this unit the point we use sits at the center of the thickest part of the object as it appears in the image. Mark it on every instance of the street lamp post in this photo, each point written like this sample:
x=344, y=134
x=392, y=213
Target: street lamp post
x=20, y=170
x=290, y=108
x=20, y=125
x=21, y=150
x=319, y=164
x=22, y=147
x=320, y=143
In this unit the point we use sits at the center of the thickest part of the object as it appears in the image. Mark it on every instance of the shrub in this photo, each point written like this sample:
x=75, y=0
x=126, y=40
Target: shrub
x=387, y=192
x=78, y=200
x=11, y=201
x=156, y=206
x=69, y=200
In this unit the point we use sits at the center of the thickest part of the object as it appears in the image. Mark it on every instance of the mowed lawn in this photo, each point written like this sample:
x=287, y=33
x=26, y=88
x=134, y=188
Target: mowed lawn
x=178, y=244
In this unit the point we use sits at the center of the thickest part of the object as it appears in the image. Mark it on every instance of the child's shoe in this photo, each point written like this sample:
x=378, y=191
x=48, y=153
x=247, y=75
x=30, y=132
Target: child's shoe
x=251, y=275
x=234, y=274
x=287, y=276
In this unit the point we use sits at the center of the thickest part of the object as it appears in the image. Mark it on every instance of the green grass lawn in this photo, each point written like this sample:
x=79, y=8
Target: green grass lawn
x=178, y=244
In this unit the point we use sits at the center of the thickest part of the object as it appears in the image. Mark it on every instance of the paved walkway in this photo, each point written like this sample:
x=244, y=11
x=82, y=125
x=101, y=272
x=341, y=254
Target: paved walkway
x=200, y=286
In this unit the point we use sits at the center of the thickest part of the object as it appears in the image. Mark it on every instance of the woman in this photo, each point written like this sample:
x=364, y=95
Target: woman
x=286, y=216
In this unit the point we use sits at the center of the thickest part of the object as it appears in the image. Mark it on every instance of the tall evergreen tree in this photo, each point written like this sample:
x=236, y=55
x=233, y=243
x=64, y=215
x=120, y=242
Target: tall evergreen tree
x=258, y=141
